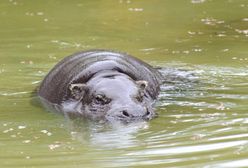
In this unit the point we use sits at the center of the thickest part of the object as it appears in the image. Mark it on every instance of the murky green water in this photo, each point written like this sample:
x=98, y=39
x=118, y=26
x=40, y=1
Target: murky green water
x=203, y=118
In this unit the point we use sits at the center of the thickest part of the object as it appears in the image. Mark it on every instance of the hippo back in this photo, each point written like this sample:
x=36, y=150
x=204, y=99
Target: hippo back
x=80, y=67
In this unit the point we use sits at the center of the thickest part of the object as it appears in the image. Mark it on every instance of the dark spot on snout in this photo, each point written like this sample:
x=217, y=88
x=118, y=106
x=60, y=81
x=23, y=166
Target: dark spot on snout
x=125, y=113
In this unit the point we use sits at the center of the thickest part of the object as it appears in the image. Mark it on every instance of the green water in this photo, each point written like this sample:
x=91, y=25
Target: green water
x=203, y=117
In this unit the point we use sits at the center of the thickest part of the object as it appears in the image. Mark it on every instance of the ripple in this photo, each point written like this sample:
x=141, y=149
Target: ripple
x=229, y=137
x=230, y=164
x=13, y=93
x=189, y=149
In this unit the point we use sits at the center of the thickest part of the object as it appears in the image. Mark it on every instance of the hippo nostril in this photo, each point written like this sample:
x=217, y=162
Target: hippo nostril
x=125, y=113
x=148, y=112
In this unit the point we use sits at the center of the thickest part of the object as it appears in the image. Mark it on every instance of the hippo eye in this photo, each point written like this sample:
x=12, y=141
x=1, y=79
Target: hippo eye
x=101, y=99
x=140, y=98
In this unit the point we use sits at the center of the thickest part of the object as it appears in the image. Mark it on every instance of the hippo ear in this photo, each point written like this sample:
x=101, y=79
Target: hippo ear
x=78, y=90
x=142, y=84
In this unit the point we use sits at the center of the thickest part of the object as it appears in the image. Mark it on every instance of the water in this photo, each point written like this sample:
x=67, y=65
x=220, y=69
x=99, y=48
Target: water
x=202, y=45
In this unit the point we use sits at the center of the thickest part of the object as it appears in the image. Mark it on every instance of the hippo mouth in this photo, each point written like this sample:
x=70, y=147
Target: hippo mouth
x=126, y=117
x=111, y=119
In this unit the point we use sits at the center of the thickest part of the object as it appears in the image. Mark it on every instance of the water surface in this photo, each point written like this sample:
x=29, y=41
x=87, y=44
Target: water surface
x=202, y=45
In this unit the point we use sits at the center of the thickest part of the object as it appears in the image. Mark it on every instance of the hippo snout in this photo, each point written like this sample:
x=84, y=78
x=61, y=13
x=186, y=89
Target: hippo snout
x=127, y=114
x=145, y=116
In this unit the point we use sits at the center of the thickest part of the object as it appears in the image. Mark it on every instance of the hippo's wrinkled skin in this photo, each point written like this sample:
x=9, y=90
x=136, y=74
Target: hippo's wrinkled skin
x=102, y=85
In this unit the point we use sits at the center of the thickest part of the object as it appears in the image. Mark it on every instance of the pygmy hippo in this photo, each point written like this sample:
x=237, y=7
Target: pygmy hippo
x=102, y=85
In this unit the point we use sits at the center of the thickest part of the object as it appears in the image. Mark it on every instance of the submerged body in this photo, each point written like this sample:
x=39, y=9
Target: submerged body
x=102, y=85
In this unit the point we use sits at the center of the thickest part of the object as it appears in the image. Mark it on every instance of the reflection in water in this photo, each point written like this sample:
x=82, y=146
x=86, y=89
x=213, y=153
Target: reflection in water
x=106, y=135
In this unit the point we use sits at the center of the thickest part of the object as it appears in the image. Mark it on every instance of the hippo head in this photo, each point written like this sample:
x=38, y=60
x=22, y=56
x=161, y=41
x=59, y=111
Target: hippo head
x=113, y=96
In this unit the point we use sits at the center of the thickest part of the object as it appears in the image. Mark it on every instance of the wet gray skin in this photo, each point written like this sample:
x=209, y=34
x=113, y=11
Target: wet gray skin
x=102, y=85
